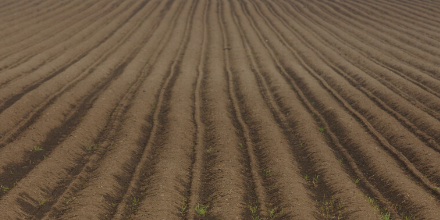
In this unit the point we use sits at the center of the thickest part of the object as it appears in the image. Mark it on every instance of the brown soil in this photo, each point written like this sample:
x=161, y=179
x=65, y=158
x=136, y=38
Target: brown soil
x=172, y=109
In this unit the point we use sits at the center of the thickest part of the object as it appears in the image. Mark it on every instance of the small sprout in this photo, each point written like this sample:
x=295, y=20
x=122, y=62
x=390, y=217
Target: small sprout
x=209, y=150
x=37, y=148
x=201, y=210
x=113, y=204
x=5, y=189
x=253, y=209
x=306, y=177
x=357, y=181
x=267, y=173
x=321, y=129
x=41, y=203
x=312, y=103
x=385, y=216
x=92, y=147
x=435, y=188
x=241, y=145
x=315, y=180
x=301, y=144
x=340, y=160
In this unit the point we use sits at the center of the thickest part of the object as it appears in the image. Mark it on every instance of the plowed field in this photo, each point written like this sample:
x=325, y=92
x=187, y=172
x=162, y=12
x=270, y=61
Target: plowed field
x=227, y=109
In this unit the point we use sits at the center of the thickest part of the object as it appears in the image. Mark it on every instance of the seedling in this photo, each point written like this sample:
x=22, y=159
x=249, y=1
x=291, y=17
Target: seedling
x=113, y=204
x=184, y=205
x=92, y=147
x=5, y=189
x=321, y=129
x=340, y=160
x=201, y=209
x=256, y=218
x=37, y=148
x=385, y=216
x=357, y=181
x=267, y=173
x=41, y=203
x=315, y=180
x=253, y=209
x=306, y=177
x=330, y=209
x=209, y=150
x=241, y=145
x=273, y=213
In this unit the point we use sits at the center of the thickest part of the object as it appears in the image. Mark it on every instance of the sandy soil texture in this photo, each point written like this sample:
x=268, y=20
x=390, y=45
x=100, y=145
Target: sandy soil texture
x=220, y=109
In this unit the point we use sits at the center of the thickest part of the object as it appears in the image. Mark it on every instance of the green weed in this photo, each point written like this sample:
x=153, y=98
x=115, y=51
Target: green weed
x=37, y=148
x=201, y=209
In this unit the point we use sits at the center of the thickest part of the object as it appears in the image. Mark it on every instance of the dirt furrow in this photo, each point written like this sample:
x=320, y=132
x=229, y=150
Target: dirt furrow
x=77, y=92
x=106, y=101
x=380, y=39
x=258, y=206
x=164, y=175
x=198, y=165
x=26, y=61
x=399, y=69
x=413, y=12
x=36, y=15
x=408, y=33
x=391, y=101
x=381, y=123
x=104, y=165
x=103, y=48
x=370, y=130
x=226, y=177
x=355, y=201
x=37, y=31
x=430, y=27
x=7, y=6
x=13, y=9
x=425, y=6
x=65, y=31
x=395, y=18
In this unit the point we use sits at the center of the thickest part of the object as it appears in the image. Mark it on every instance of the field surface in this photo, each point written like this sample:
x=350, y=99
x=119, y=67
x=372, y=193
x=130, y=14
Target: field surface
x=220, y=109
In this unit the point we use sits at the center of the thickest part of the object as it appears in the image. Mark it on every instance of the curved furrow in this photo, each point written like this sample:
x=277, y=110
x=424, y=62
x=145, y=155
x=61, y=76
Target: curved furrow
x=23, y=22
x=108, y=40
x=13, y=9
x=387, y=25
x=32, y=58
x=428, y=6
x=391, y=99
x=112, y=138
x=35, y=30
x=385, y=15
x=381, y=38
x=7, y=6
x=430, y=186
x=354, y=206
x=77, y=92
x=371, y=130
x=382, y=123
x=412, y=77
x=431, y=28
x=421, y=33
x=23, y=50
x=392, y=87
x=424, y=15
x=420, y=100
x=107, y=99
